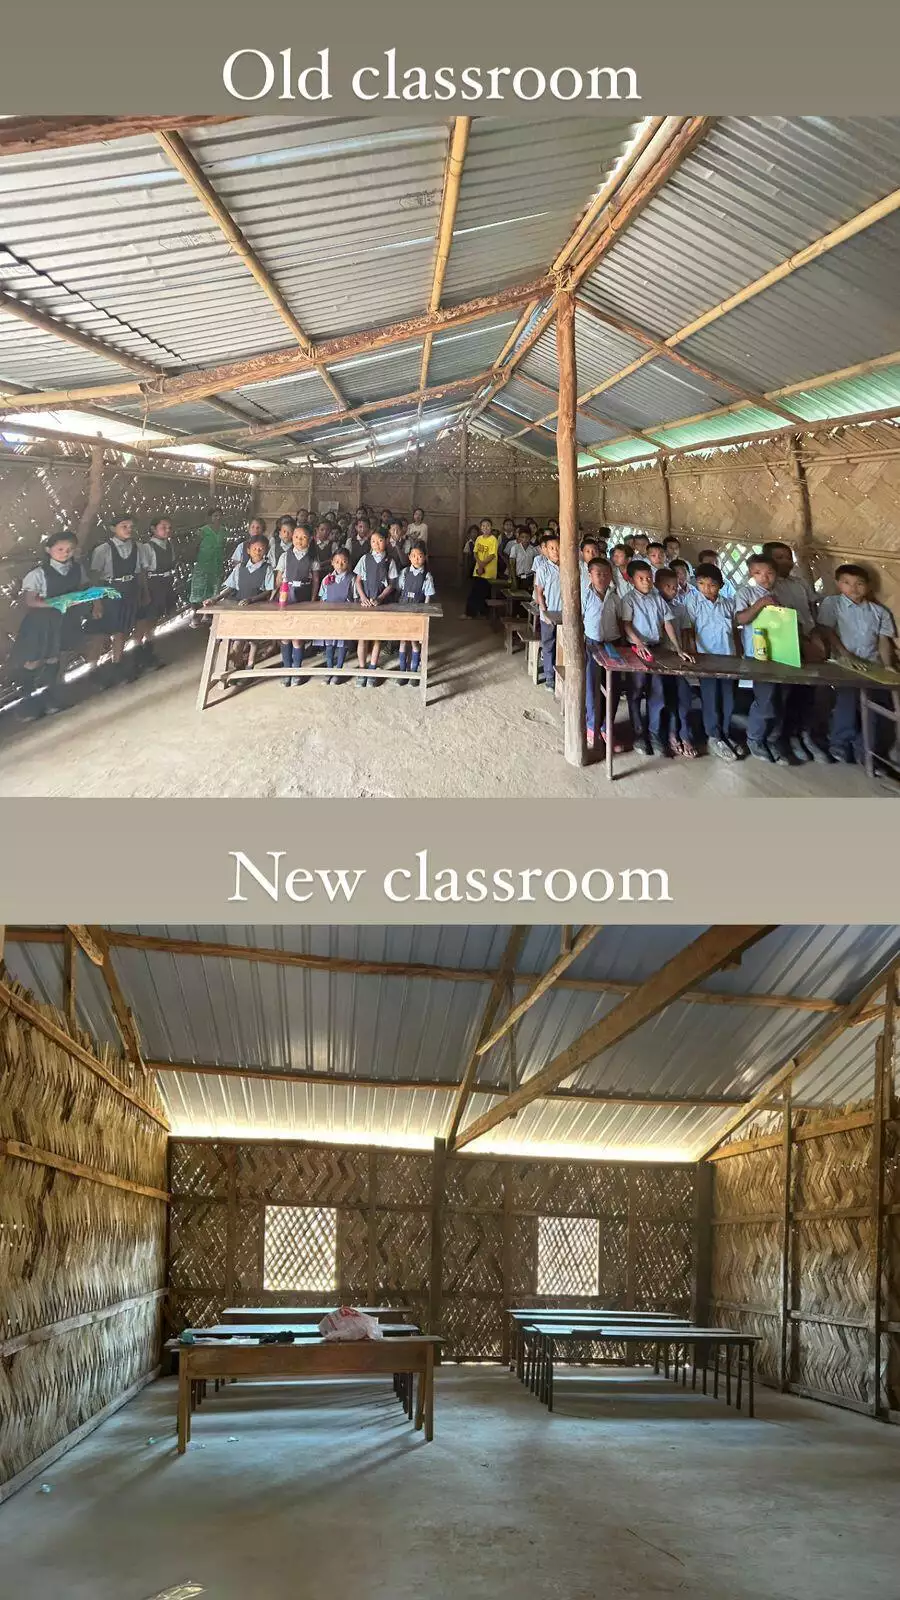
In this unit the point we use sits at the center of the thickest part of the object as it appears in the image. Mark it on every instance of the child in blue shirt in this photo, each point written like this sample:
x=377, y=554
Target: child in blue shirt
x=765, y=719
x=854, y=625
x=646, y=618
x=376, y=577
x=711, y=615
x=548, y=594
x=416, y=588
x=676, y=691
x=338, y=588
x=602, y=625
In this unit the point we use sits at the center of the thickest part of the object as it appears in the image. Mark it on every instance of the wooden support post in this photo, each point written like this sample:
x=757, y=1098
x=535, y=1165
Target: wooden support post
x=463, y=492
x=436, y=1270
x=666, y=497
x=701, y=1285
x=231, y=1158
x=785, y=1365
x=509, y=1294
x=575, y=742
x=804, y=547
x=95, y=494
x=511, y=1043
x=631, y=1241
x=372, y=1230
x=70, y=949
x=881, y=1111
x=601, y=497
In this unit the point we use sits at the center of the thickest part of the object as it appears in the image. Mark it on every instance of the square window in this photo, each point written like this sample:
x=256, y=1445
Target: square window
x=300, y=1250
x=568, y=1256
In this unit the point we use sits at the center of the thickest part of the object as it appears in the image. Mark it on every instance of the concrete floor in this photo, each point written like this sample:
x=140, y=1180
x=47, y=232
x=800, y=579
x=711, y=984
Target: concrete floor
x=631, y=1488
x=487, y=733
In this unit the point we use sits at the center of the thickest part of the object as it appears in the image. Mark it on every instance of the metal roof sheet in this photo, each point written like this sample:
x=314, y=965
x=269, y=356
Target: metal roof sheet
x=231, y=1011
x=756, y=190
x=469, y=350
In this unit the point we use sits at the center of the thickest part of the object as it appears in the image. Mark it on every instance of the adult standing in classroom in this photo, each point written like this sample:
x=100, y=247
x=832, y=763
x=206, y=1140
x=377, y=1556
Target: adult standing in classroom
x=206, y=578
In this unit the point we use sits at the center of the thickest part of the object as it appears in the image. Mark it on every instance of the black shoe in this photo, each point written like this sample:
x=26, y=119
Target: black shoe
x=799, y=751
x=815, y=750
x=840, y=754
x=780, y=754
x=760, y=750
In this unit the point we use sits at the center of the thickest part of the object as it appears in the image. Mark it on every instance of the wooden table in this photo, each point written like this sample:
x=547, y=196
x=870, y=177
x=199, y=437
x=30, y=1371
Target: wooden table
x=310, y=620
x=522, y=1317
x=667, y=1339
x=300, y=1330
x=824, y=674
x=309, y=1358
x=283, y=1316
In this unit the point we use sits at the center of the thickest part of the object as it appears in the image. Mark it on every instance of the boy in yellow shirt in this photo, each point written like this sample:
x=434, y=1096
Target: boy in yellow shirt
x=485, y=557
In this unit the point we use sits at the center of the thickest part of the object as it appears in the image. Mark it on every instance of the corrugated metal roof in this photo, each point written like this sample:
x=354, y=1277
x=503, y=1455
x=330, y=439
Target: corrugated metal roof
x=225, y=1011
x=472, y=349
x=524, y=186
x=871, y=391
x=600, y=352
x=757, y=190
x=659, y=392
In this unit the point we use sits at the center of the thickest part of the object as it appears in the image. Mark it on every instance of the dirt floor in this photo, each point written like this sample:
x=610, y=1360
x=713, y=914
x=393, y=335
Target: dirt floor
x=631, y=1488
x=487, y=732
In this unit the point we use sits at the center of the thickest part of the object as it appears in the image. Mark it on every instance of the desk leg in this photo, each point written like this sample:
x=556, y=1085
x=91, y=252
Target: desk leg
x=865, y=719
x=429, y=1394
x=728, y=1374
x=740, y=1377
x=609, y=725
x=211, y=647
x=750, y=1352
x=420, y=1399
x=716, y=1371
x=550, y=1353
x=423, y=663
x=184, y=1404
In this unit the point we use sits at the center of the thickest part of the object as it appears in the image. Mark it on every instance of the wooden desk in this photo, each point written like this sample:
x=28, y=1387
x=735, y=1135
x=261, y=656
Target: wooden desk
x=828, y=674
x=522, y=1317
x=309, y=620
x=283, y=1316
x=300, y=1330
x=675, y=1338
x=313, y=1358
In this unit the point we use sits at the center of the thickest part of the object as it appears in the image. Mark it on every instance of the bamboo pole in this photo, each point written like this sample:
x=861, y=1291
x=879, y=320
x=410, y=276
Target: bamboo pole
x=785, y=1350
x=456, y=155
x=70, y=953
x=22, y=135
x=462, y=488
x=574, y=688
x=881, y=1112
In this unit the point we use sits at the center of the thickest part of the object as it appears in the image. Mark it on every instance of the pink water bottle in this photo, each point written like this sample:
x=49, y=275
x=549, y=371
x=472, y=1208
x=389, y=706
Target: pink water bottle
x=284, y=593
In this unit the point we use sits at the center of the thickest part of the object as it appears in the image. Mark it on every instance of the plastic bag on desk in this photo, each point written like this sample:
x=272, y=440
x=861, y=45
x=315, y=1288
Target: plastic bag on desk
x=348, y=1323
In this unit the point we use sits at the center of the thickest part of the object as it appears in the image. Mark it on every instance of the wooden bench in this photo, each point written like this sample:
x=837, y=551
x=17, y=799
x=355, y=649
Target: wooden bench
x=521, y=1317
x=673, y=1340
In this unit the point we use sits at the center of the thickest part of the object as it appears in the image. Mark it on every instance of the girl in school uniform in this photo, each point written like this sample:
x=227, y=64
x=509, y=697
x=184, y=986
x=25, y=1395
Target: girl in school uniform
x=325, y=543
x=376, y=577
x=250, y=582
x=296, y=581
x=338, y=588
x=255, y=527
x=416, y=588
x=45, y=634
x=117, y=561
x=417, y=529
x=158, y=565
x=396, y=546
x=620, y=555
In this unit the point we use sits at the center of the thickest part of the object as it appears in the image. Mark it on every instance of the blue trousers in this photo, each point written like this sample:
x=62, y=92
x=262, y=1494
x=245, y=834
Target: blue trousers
x=548, y=651
x=717, y=700
x=764, y=719
x=595, y=694
x=678, y=697
x=645, y=686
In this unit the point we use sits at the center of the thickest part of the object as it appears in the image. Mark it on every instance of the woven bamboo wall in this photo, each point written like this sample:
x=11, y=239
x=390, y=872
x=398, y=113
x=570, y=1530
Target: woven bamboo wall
x=749, y=493
x=500, y=482
x=831, y=1292
x=483, y=1231
x=45, y=487
x=81, y=1262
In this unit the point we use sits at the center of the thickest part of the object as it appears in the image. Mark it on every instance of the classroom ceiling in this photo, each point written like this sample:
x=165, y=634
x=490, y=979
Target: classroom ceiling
x=384, y=1032
x=127, y=259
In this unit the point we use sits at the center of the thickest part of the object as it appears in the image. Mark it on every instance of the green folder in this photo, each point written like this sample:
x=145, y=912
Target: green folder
x=779, y=624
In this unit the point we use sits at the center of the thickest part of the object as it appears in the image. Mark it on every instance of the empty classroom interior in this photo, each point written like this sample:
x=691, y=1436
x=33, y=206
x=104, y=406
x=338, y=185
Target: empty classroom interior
x=681, y=325
x=653, y=1130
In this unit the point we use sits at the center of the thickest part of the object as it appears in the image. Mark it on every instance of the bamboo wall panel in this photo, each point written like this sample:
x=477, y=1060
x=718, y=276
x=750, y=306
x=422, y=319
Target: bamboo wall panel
x=487, y=1224
x=72, y=1250
x=748, y=494
x=746, y=1256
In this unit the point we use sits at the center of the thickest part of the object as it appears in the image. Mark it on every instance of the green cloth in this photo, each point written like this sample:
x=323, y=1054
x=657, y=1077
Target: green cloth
x=206, y=578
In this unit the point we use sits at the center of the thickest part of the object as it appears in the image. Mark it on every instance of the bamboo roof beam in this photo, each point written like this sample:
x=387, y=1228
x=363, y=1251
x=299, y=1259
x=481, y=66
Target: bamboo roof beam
x=540, y=987
x=199, y=383
x=453, y=171
x=124, y=1016
x=432, y=1086
x=269, y=956
x=514, y=946
x=22, y=135
x=824, y=1036
x=705, y=955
